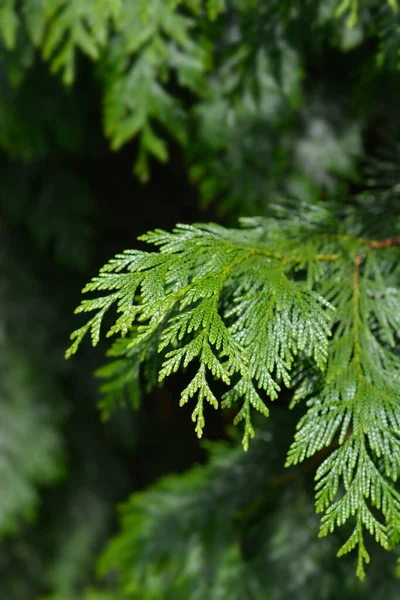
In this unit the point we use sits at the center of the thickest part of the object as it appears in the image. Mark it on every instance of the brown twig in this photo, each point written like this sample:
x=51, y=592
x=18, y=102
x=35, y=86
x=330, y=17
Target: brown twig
x=387, y=243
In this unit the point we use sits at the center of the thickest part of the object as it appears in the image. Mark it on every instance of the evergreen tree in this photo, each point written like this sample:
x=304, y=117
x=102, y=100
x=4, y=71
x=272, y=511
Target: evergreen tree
x=285, y=116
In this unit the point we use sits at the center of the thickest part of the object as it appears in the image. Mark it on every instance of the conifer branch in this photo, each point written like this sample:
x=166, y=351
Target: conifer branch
x=349, y=407
x=210, y=297
x=201, y=294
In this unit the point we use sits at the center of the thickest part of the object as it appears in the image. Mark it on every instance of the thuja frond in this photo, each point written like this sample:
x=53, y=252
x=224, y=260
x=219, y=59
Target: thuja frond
x=236, y=527
x=253, y=308
x=120, y=376
x=187, y=533
x=75, y=25
x=356, y=410
x=200, y=295
x=153, y=39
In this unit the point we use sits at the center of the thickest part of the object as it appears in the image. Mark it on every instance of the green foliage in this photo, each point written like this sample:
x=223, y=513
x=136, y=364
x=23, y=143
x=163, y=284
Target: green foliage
x=250, y=305
x=54, y=207
x=357, y=407
x=27, y=93
x=152, y=40
x=53, y=516
x=27, y=427
x=226, y=530
x=90, y=594
x=76, y=25
x=147, y=41
x=147, y=52
x=8, y=22
x=352, y=9
x=203, y=291
x=171, y=544
x=273, y=109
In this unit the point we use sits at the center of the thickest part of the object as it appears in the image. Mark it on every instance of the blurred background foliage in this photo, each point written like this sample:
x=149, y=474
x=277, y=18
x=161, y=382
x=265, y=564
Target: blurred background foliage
x=221, y=108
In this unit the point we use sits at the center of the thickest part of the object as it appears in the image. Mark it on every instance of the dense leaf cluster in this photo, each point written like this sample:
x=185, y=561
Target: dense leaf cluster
x=231, y=529
x=148, y=53
x=280, y=109
x=253, y=306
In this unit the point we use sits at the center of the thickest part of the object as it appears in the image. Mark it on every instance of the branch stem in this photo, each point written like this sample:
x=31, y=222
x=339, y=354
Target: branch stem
x=386, y=243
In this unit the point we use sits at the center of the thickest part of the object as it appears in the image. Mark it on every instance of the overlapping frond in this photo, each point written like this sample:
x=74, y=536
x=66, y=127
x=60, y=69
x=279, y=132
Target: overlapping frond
x=153, y=40
x=201, y=295
x=356, y=411
x=229, y=529
x=249, y=93
x=254, y=310
x=186, y=534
